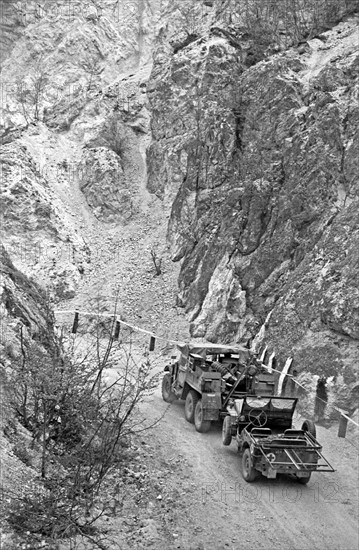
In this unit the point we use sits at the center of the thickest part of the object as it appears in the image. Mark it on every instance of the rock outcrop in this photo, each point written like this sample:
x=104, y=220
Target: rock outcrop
x=104, y=186
x=36, y=229
x=25, y=316
x=75, y=125
x=258, y=164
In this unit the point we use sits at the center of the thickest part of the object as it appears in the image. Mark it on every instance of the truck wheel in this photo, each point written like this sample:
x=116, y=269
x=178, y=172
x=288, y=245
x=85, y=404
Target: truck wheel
x=309, y=426
x=200, y=424
x=167, y=393
x=304, y=480
x=248, y=472
x=190, y=405
x=227, y=431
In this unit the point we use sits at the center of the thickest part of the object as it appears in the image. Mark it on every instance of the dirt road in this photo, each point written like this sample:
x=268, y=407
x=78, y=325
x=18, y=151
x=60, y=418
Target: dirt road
x=203, y=503
x=207, y=505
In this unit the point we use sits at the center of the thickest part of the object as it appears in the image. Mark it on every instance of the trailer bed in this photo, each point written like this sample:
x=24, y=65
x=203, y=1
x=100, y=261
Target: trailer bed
x=294, y=451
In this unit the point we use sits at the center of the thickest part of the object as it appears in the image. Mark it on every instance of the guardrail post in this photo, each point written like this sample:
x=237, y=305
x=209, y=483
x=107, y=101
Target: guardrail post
x=343, y=423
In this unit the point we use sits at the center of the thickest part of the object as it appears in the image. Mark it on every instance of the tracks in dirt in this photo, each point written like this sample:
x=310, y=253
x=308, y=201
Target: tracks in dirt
x=220, y=510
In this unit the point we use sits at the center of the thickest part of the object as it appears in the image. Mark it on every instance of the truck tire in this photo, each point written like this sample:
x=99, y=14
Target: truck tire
x=227, y=431
x=190, y=405
x=304, y=480
x=248, y=472
x=167, y=393
x=200, y=424
x=309, y=426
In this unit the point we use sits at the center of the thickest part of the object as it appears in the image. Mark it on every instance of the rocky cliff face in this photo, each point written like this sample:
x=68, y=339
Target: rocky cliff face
x=75, y=125
x=36, y=229
x=258, y=163
x=25, y=320
x=243, y=132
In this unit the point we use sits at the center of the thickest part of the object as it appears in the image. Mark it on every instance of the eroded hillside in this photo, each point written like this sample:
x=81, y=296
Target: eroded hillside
x=75, y=124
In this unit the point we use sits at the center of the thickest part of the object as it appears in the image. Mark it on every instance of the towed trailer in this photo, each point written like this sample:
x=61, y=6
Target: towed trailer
x=262, y=428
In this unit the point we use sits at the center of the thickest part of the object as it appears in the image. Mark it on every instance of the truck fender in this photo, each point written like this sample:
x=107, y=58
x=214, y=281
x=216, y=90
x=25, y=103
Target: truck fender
x=243, y=445
x=170, y=367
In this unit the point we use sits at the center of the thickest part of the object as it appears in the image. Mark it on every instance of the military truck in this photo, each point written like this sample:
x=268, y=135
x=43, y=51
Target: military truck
x=208, y=376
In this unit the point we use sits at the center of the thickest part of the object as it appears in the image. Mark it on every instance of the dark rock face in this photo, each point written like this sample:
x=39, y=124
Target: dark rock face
x=11, y=26
x=112, y=165
x=104, y=186
x=263, y=191
x=24, y=309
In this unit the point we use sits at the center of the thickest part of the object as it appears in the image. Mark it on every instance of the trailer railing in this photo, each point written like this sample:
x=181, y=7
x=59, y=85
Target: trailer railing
x=303, y=452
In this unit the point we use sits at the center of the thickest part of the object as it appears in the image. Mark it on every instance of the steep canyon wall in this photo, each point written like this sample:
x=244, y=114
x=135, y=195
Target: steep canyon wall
x=249, y=116
x=255, y=153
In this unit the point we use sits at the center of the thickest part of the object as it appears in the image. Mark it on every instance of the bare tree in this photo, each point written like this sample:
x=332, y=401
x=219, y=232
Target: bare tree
x=31, y=91
x=157, y=262
x=79, y=398
x=93, y=68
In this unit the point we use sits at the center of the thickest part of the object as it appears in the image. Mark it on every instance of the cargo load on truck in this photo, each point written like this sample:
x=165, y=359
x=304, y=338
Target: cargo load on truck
x=208, y=376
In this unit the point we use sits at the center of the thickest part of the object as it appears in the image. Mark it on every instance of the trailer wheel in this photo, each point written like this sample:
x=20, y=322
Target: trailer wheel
x=304, y=480
x=309, y=426
x=248, y=472
x=190, y=405
x=227, y=431
x=167, y=393
x=200, y=424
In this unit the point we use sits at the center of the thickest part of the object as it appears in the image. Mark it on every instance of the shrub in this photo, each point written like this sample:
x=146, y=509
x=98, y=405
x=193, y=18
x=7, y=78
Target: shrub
x=80, y=423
